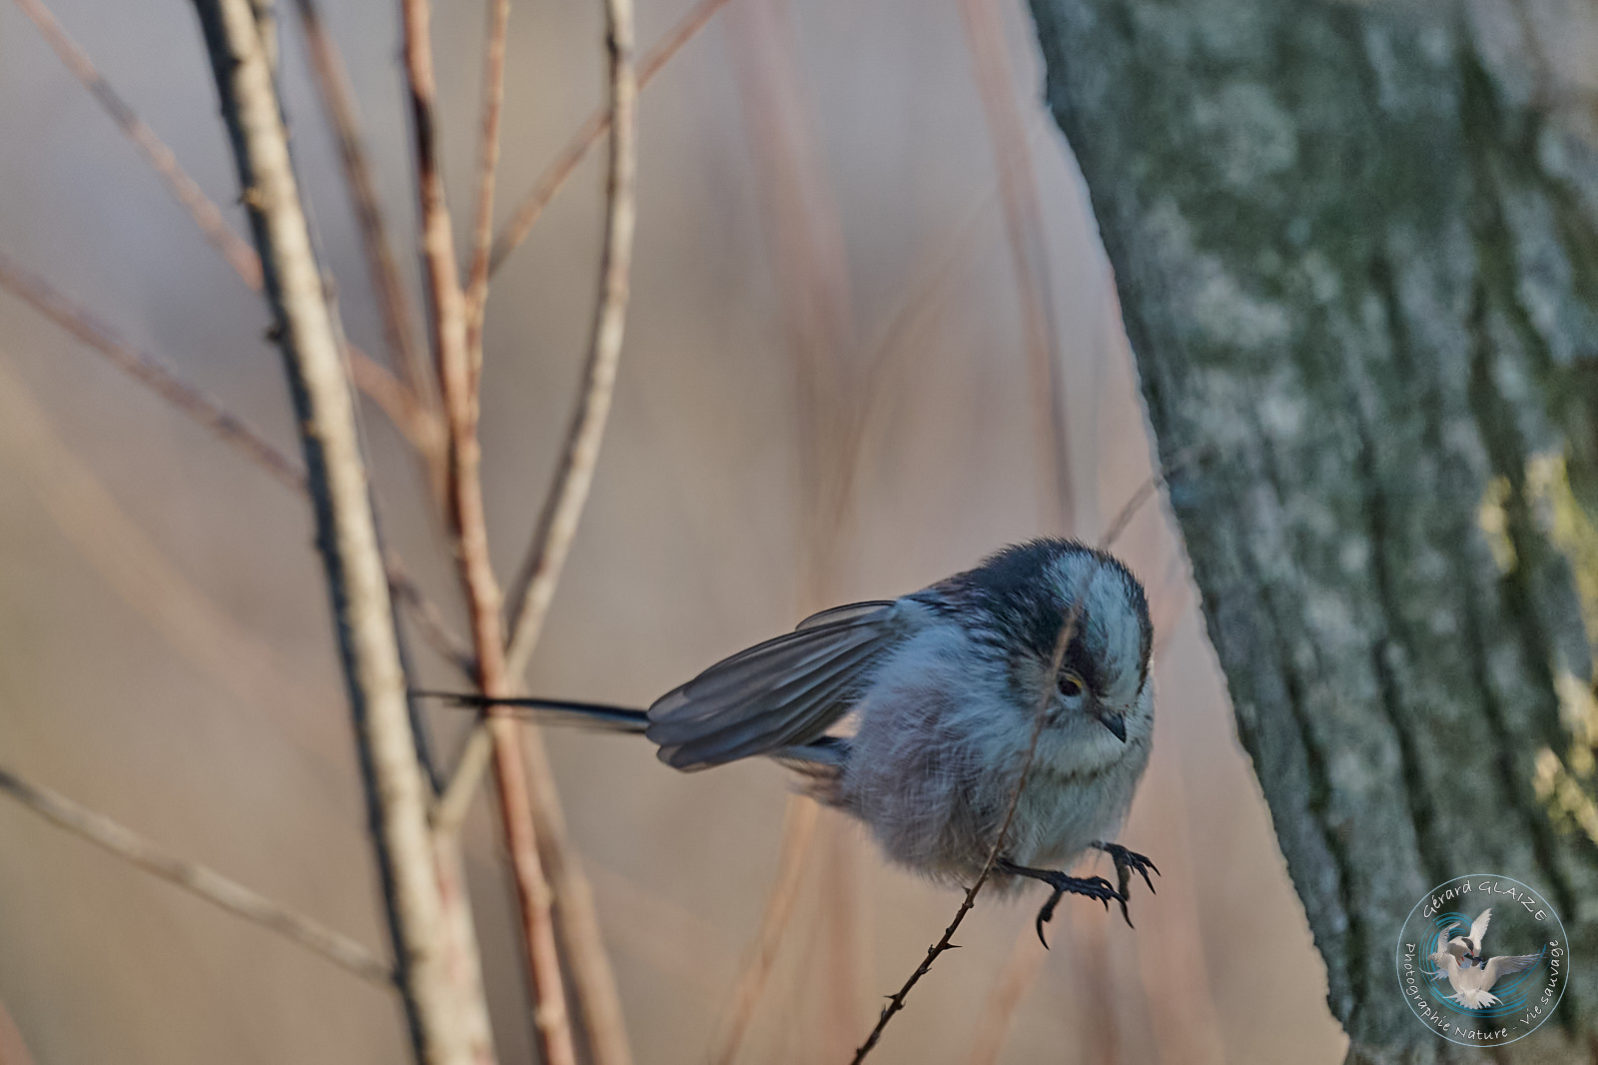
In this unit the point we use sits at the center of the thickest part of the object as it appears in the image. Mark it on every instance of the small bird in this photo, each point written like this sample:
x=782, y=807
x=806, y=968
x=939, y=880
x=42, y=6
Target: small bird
x=1468, y=949
x=944, y=687
x=1473, y=986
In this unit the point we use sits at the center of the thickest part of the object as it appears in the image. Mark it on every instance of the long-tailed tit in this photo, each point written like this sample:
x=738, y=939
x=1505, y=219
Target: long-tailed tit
x=944, y=687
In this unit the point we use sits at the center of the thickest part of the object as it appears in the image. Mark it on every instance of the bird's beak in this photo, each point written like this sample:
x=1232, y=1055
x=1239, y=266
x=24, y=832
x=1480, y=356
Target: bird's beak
x=1115, y=721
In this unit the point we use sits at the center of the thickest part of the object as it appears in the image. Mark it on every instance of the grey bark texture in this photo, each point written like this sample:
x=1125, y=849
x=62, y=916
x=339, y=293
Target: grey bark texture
x=1356, y=256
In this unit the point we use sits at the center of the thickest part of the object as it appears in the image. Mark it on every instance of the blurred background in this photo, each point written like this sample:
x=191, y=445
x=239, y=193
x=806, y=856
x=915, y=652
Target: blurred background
x=821, y=246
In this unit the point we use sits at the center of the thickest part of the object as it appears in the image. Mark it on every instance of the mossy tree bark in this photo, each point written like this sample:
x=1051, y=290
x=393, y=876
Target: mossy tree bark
x=1356, y=255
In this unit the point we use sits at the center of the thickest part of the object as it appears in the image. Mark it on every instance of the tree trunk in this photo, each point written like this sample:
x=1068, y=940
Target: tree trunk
x=1355, y=251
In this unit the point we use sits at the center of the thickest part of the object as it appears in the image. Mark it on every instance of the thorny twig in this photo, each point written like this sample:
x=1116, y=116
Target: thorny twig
x=1067, y=634
x=896, y=1000
x=197, y=879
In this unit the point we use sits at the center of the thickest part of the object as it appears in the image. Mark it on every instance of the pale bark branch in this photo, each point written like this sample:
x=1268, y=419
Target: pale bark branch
x=563, y=507
x=439, y=1007
x=468, y=525
x=197, y=879
x=594, y=127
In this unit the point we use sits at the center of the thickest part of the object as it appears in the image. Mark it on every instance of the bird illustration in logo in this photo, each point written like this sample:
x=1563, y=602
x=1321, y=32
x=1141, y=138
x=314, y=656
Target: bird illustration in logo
x=1462, y=961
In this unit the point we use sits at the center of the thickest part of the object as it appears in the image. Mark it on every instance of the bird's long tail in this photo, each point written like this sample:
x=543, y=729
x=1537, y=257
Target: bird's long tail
x=561, y=711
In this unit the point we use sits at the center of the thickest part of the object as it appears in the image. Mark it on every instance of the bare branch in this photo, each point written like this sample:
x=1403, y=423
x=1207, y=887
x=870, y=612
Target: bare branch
x=150, y=371
x=1023, y=220
x=487, y=162
x=197, y=879
x=159, y=376
x=396, y=402
x=468, y=525
x=1039, y=717
x=597, y=124
x=557, y=524
x=514, y=754
x=234, y=248
x=440, y=1008
x=338, y=99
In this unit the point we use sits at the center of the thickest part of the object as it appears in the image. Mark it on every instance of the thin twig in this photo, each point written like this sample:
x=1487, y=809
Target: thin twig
x=161, y=378
x=595, y=126
x=597, y=998
x=439, y=1004
x=1067, y=634
x=1039, y=717
x=1023, y=220
x=338, y=99
x=150, y=371
x=197, y=879
x=468, y=525
x=487, y=163
x=557, y=523
x=234, y=248
x=397, y=402
x=799, y=829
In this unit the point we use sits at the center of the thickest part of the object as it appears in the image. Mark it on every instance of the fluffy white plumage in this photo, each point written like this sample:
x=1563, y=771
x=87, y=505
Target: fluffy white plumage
x=944, y=687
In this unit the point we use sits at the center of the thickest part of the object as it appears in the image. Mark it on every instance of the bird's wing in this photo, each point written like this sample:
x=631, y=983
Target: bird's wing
x=1442, y=946
x=1505, y=964
x=1478, y=927
x=847, y=612
x=778, y=694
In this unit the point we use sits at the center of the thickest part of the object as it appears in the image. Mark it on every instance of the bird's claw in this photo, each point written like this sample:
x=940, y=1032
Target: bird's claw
x=1093, y=887
x=1126, y=863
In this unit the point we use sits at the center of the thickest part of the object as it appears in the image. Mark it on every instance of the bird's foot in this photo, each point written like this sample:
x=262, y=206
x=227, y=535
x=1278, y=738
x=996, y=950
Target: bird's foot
x=1126, y=863
x=1094, y=887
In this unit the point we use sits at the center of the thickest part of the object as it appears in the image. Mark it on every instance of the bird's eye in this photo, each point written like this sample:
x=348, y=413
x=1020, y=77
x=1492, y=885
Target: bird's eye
x=1070, y=684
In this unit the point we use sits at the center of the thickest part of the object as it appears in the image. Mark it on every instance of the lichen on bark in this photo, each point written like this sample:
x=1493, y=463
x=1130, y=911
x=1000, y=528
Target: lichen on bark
x=1356, y=257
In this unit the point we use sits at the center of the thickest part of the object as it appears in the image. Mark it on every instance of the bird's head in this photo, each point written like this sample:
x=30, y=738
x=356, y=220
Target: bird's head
x=1099, y=695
